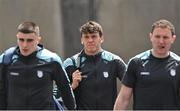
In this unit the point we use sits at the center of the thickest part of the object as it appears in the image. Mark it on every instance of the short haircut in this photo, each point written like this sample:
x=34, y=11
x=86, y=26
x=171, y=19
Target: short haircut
x=91, y=27
x=29, y=27
x=163, y=24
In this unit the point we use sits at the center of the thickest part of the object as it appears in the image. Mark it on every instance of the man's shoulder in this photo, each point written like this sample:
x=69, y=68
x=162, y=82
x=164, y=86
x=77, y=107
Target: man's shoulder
x=1, y=58
x=7, y=55
x=175, y=56
x=71, y=61
x=48, y=55
x=143, y=55
x=75, y=56
x=109, y=56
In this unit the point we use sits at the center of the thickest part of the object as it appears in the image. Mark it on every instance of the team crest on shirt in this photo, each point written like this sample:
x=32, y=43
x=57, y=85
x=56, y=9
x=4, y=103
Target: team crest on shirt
x=173, y=72
x=106, y=74
x=39, y=74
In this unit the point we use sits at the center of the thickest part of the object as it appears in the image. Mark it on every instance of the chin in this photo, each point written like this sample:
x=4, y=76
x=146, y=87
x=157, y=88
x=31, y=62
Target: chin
x=25, y=54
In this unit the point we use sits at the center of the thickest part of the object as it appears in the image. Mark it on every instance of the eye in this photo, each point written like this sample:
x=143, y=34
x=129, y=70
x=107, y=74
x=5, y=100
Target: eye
x=157, y=36
x=166, y=37
x=94, y=36
x=86, y=36
x=21, y=39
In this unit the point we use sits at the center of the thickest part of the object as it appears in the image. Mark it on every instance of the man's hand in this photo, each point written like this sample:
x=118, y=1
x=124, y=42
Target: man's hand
x=76, y=78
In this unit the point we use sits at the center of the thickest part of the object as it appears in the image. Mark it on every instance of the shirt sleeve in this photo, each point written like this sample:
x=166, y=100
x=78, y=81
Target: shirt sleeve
x=129, y=78
x=63, y=84
x=121, y=68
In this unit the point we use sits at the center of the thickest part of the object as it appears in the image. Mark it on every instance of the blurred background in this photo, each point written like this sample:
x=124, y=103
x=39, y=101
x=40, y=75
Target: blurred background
x=126, y=23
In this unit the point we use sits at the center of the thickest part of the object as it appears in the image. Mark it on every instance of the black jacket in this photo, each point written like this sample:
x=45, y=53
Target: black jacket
x=27, y=82
x=98, y=88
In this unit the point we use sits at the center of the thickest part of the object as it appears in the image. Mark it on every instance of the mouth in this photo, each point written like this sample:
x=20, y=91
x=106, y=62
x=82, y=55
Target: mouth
x=90, y=45
x=25, y=50
x=161, y=47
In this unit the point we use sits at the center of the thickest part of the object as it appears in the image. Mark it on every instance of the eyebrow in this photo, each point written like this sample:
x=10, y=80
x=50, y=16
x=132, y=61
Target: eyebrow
x=28, y=40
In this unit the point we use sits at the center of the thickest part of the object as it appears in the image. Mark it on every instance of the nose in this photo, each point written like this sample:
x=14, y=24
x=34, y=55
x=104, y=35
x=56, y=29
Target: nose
x=24, y=44
x=90, y=39
x=161, y=40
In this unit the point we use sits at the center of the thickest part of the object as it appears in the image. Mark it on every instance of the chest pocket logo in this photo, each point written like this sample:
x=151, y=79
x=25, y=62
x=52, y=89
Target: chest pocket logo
x=39, y=74
x=173, y=72
x=106, y=74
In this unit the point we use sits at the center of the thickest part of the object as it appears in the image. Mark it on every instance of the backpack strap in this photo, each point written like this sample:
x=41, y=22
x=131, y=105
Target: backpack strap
x=76, y=61
x=57, y=104
x=8, y=55
x=73, y=60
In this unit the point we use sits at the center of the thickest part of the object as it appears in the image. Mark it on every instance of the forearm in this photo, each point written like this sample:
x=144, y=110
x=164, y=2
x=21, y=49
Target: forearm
x=123, y=98
x=121, y=104
x=68, y=98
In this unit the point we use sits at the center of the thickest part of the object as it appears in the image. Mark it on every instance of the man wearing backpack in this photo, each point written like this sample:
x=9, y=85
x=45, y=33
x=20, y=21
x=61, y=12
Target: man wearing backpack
x=27, y=73
x=93, y=72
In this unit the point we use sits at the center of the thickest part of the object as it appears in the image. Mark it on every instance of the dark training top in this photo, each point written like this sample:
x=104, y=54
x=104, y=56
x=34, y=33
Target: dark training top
x=27, y=82
x=155, y=81
x=98, y=88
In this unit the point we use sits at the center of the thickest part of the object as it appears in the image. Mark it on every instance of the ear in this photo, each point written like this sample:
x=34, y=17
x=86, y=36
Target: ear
x=17, y=35
x=102, y=39
x=82, y=41
x=39, y=39
x=174, y=38
x=150, y=36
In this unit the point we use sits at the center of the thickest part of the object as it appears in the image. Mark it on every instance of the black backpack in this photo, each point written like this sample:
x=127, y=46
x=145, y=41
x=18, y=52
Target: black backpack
x=7, y=59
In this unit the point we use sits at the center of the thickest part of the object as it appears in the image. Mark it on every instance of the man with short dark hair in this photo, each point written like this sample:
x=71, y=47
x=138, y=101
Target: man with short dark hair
x=93, y=72
x=26, y=81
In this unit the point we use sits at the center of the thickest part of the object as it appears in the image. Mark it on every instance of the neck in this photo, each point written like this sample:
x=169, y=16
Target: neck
x=164, y=55
x=93, y=53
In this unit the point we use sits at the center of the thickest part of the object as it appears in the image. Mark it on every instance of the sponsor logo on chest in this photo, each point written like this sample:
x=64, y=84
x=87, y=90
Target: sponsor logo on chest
x=14, y=73
x=145, y=73
x=172, y=73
